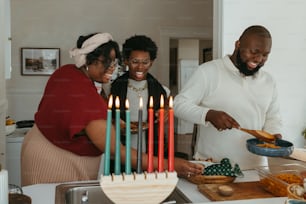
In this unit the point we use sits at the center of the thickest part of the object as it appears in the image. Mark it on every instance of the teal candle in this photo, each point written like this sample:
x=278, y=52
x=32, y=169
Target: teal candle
x=108, y=137
x=128, y=139
x=117, y=151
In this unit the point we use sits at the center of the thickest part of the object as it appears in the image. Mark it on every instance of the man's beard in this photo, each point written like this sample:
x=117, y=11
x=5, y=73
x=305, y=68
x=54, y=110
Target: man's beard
x=243, y=67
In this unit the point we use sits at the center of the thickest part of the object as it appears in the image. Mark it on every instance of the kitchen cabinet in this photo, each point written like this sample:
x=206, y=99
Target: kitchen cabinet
x=13, y=153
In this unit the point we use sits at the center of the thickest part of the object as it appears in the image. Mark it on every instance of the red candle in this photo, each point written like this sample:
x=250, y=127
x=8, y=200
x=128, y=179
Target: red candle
x=160, y=165
x=171, y=136
x=150, y=136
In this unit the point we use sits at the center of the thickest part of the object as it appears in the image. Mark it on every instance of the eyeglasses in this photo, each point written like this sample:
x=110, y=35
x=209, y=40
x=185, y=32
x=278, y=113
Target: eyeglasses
x=108, y=63
x=136, y=62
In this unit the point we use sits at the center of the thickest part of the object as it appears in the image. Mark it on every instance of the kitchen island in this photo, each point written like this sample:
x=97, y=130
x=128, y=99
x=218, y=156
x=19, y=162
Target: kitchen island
x=45, y=193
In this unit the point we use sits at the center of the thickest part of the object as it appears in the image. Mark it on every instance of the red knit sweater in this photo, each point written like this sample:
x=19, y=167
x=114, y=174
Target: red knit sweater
x=69, y=103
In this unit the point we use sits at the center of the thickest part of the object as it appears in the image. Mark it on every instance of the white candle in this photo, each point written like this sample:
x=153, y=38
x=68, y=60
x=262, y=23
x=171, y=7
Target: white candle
x=3, y=186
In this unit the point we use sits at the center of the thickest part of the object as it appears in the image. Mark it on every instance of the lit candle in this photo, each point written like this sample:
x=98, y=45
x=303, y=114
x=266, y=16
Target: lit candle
x=108, y=137
x=150, y=136
x=139, y=139
x=117, y=151
x=128, y=138
x=160, y=165
x=171, y=136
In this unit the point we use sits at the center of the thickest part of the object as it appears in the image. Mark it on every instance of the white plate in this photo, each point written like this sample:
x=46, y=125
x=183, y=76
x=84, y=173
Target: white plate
x=205, y=163
x=9, y=129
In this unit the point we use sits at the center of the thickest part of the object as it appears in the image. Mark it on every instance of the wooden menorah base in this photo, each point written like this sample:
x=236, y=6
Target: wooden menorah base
x=139, y=188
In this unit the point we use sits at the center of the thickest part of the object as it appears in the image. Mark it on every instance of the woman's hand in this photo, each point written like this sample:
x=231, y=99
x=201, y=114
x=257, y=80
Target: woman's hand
x=186, y=169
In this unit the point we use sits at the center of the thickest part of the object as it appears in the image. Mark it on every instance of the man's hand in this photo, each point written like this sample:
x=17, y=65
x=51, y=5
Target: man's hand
x=221, y=120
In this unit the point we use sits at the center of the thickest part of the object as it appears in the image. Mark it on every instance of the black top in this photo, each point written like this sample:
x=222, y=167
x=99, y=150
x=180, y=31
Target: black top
x=155, y=89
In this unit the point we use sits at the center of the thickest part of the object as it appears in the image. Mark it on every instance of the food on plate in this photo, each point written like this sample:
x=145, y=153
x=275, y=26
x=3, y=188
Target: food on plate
x=289, y=178
x=9, y=121
x=209, y=160
x=285, y=148
x=277, y=183
x=134, y=127
x=268, y=145
x=201, y=179
x=10, y=126
x=225, y=190
x=303, y=174
x=296, y=191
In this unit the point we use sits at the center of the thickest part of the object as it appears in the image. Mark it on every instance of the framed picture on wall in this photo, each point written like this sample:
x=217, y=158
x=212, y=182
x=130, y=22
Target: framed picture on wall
x=39, y=61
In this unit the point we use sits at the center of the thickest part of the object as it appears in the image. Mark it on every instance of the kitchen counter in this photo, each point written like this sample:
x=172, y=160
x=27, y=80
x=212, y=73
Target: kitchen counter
x=45, y=193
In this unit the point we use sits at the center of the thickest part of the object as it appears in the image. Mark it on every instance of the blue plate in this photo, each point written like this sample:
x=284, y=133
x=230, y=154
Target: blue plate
x=286, y=148
x=293, y=201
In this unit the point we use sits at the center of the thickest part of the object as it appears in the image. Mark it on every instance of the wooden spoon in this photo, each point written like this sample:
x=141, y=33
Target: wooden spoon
x=259, y=134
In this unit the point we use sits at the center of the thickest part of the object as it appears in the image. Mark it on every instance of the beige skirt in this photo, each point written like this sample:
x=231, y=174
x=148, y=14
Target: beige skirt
x=43, y=162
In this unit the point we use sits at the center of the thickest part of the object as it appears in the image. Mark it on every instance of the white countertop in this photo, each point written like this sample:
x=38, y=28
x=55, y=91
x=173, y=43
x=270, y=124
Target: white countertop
x=45, y=193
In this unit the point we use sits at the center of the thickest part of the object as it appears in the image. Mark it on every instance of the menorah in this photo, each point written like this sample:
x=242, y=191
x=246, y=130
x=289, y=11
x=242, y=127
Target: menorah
x=141, y=186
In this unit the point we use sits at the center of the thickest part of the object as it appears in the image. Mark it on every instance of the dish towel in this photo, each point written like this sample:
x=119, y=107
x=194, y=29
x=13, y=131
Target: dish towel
x=224, y=168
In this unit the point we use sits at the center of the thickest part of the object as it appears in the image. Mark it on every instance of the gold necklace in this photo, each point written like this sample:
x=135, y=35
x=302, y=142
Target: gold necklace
x=138, y=90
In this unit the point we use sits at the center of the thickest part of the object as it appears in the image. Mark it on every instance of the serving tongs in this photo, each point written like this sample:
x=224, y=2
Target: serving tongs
x=260, y=135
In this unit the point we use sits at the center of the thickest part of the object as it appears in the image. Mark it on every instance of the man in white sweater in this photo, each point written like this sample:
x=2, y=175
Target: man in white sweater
x=224, y=94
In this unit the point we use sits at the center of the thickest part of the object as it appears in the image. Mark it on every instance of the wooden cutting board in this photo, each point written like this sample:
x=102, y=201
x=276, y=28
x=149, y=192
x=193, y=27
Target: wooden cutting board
x=243, y=190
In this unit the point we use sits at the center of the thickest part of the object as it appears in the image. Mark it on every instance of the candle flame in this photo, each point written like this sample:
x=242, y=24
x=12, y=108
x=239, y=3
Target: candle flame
x=127, y=104
x=140, y=103
x=161, y=101
x=117, y=102
x=151, y=102
x=171, y=102
x=110, y=102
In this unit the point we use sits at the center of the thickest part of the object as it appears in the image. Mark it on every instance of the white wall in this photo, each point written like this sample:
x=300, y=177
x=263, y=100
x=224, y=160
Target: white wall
x=3, y=63
x=56, y=23
x=286, y=21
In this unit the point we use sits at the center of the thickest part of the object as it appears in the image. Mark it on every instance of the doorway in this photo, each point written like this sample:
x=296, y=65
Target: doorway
x=204, y=54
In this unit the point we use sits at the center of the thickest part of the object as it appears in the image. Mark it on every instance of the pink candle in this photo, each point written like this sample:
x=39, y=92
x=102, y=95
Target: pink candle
x=171, y=136
x=160, y=165
x=150, y=136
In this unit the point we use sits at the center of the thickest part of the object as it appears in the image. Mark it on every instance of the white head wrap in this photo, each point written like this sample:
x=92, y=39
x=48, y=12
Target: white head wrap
x=89, y=45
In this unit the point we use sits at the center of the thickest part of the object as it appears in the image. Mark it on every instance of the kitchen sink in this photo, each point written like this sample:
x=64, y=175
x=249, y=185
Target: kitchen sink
x=91, y=193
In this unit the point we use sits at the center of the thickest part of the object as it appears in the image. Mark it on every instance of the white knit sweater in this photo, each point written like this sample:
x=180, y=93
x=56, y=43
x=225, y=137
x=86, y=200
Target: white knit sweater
x=251, y=101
